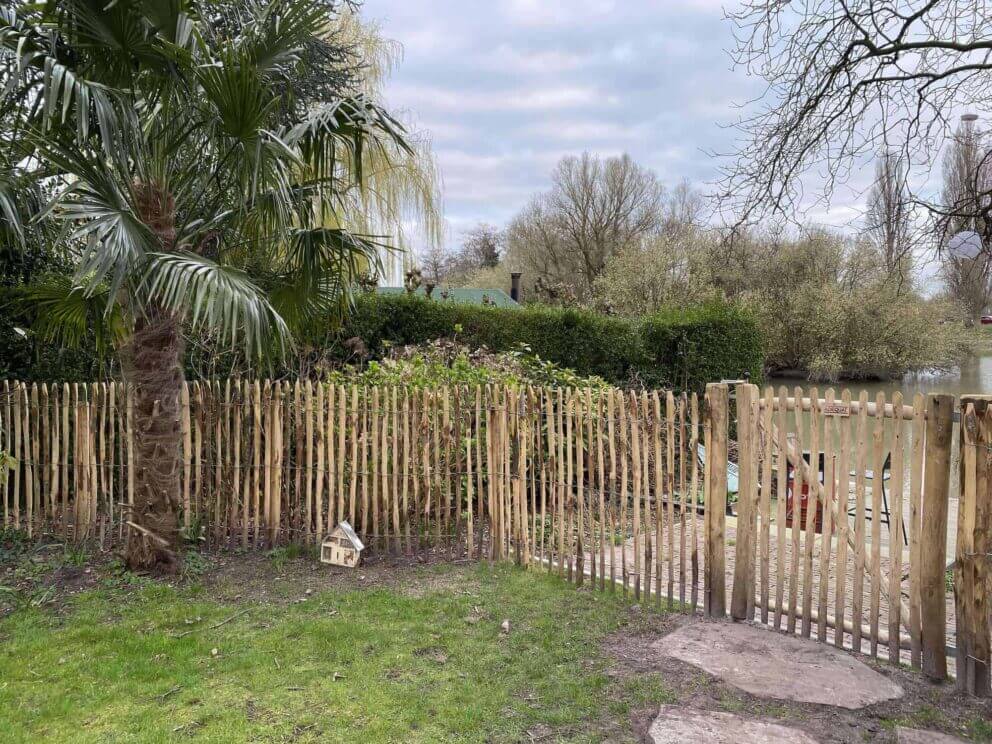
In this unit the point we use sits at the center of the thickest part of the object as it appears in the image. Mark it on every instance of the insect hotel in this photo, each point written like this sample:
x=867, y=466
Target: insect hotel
x=342, y=547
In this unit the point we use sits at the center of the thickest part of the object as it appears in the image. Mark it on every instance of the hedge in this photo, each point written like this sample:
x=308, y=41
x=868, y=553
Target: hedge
x=682, y=349
x=679, y=349
x=689, y=348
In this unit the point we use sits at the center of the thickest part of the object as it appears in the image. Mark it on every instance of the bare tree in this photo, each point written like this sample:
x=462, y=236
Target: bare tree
x=434, y=263
x=888, y=222
x=482, y=248
x=683, y=212
x=967, y=184
x=595, y=208
x=845, y=79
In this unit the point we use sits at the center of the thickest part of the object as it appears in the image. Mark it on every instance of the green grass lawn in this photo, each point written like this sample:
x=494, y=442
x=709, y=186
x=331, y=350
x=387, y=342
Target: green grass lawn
x=422, y=660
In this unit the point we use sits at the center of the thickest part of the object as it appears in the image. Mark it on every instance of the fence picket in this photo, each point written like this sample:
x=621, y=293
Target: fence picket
x=878, y=454
x=780, y=511
x=972, y=572
x=765, y=505
x=933, y=537
x=842, y=526
x=915, y=527
x=895, y=529
x=797, y=490
x=693, y=498
x=742, y=600
x=826, y=538
x=859, y=523
x=661, y=497
x=669, y=490
x=611, y=439
x=621, y=409
x=715, y=597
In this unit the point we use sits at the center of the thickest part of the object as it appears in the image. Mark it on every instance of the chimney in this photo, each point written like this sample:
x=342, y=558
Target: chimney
x=515, y=286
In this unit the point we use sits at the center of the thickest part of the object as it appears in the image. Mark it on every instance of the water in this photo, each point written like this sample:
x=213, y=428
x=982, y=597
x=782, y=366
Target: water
x=973, y=377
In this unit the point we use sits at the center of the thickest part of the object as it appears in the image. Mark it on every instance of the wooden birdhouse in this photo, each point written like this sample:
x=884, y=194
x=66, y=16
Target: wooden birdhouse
x=342, y=547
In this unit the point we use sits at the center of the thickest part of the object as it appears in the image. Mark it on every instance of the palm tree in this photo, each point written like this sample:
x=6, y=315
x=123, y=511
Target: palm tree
x=186, y=143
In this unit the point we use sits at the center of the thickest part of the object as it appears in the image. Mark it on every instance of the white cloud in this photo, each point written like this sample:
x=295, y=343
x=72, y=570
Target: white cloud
x=429, y=98
x=555, y=13
x=589, y=131
x=508, y=58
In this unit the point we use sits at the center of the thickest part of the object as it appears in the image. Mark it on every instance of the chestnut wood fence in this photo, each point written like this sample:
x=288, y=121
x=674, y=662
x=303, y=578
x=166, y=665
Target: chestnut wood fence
x=839, y=531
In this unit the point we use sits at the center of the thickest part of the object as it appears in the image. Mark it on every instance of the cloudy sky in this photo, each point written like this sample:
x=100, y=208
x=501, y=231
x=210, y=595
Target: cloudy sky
x=508, y=87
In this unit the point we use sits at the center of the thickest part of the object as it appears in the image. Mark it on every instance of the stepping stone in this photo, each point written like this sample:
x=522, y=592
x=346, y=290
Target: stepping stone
x=917, y=736
x=774, y=665
x=678, y=725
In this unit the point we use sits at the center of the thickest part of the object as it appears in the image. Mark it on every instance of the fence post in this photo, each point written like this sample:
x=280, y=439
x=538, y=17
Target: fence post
x=933, y=547
x=716, y=500
x=743, y=590
x=974, y=545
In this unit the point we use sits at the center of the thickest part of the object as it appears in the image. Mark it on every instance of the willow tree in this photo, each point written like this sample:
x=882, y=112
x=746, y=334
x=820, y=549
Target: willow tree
x=182, y=141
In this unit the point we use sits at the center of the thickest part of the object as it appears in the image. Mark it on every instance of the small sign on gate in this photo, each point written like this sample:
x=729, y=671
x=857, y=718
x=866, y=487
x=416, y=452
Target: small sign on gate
x=836, y=409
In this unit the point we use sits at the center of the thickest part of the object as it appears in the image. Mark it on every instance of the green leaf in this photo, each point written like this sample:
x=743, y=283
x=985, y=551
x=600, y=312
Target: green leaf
x=209, y=295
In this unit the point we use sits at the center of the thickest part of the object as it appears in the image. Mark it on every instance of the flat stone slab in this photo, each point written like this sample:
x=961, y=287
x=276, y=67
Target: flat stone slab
x=678, y=725
x=773, y=665
x=916, y=736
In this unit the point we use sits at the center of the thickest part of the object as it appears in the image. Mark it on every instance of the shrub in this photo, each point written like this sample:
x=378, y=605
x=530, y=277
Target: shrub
x=683, y=349
x=446, y=362
x=875, y=332
x=589, y=343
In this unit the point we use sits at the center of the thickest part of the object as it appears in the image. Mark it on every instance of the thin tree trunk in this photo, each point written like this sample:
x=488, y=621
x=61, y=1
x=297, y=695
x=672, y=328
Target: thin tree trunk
x=154, y=370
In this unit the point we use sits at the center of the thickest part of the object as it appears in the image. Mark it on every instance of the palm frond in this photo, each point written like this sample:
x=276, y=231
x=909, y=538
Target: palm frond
x=58, y=88
x=238, y=95
x=171, y=19
x=11, y=218
x=209, y=295
x=115, y=238
x=319, y=271
x=281, y=31
x=352, y=123
x=69, y=314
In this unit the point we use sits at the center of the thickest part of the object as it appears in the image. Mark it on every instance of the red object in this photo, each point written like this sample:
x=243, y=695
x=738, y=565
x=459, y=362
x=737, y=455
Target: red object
x=986, y=320
x=803, y=504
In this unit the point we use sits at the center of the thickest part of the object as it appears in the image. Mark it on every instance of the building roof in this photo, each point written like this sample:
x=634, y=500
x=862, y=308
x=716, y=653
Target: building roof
x=464, y=296
x=356, y=543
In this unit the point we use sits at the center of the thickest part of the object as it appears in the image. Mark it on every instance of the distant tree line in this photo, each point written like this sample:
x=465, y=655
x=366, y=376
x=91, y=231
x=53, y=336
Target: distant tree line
x=609, y=235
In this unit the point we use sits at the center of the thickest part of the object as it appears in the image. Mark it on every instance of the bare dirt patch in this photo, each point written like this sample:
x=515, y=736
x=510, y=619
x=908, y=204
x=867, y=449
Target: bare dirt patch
x=255, y=577
x=923, y=705
x=47, y=574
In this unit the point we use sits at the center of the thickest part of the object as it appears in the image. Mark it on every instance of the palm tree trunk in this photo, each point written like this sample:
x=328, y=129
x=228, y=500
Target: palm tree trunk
x=155, y=376
x=153, y=366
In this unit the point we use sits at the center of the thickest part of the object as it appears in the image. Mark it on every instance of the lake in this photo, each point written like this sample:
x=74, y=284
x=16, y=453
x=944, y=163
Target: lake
x=973, y=377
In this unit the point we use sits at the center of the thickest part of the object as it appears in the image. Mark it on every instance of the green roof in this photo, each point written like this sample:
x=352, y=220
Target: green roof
x=497, y=297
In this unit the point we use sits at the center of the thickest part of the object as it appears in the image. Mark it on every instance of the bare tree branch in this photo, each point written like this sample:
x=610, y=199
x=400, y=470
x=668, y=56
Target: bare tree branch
x=846, y=81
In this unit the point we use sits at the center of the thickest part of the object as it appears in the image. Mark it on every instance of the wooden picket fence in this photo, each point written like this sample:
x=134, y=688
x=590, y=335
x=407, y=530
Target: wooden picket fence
x=271, y=462
x=618, y=490
x=864, y=559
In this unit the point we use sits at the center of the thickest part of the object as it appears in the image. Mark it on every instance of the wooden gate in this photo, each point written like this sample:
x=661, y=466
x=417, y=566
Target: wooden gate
x=843, y=520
